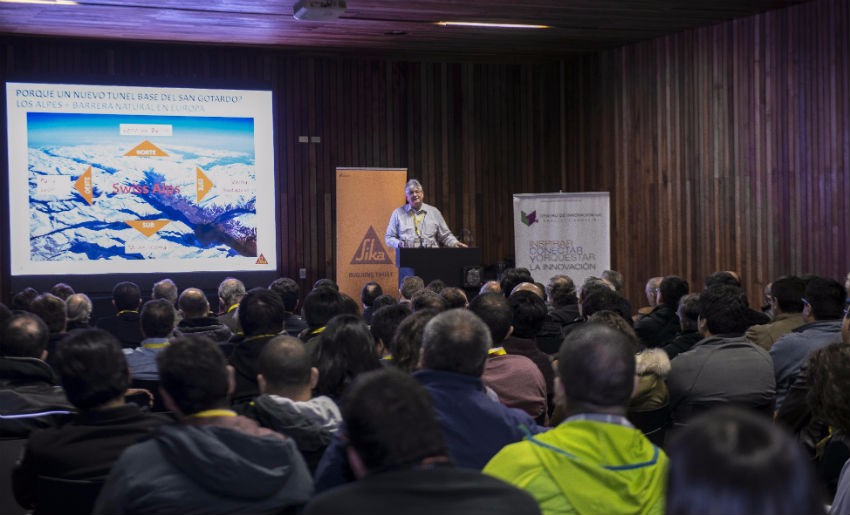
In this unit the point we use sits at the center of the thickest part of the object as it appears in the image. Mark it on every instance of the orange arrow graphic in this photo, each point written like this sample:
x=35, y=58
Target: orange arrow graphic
x=146, y=149
x=147, y=227
x=84, y=186
x=202, y=183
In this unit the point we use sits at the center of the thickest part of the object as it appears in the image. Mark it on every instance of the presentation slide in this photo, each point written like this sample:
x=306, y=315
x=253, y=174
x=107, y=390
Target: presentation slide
x=127, y=179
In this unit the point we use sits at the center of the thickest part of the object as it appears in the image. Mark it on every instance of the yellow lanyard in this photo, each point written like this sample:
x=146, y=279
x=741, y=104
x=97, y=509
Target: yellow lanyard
x=498, y=351
x=155, y=345
x=318, y=331
x=231, y=308
x=213, y=413
x=417, y=219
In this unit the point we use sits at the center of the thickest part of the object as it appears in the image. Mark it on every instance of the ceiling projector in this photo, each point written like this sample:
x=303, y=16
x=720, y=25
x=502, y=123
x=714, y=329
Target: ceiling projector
x=318, y=10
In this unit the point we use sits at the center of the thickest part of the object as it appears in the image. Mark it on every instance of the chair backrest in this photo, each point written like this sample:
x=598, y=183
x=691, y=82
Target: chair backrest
x=652, y=423
x=10, y=451
x=57, y=496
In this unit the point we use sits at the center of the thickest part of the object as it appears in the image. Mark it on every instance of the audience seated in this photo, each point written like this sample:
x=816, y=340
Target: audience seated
x=734, y=462
x=409, y=286
x=95, y=377
x=529, y=314
x=512, y=277
x=384, y=300
x=490, y=287
x=406, y=343
x=660, y=326
x=595, y=461
x=516, y=379
x=51, y=309
x=287, y=405
x=454, y=297
x=401, y=460
x=197, y=320
x=261, y=318
x=21, y=301
x=165, y=289
x=62, y=290
x=288, y=291
x=157, y=321
x=230, y=293
x=78, y=308
x=822, y=312
x=651, y=292
x=688, y=335
x=124, y=325
x=385, y=321
x=214, y=461
x=724, y=367
x=562, y=310
x=368, y=294
x=786, y=304
x=427, y=299
x=346, y=349
x=29, y=395
x=320, y=306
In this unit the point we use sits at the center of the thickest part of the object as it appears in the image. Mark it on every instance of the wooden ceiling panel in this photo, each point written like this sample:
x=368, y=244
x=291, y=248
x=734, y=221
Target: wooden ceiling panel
x=578, y=26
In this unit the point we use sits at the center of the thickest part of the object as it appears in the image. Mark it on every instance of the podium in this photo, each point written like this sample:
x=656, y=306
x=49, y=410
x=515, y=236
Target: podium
x=454, y=266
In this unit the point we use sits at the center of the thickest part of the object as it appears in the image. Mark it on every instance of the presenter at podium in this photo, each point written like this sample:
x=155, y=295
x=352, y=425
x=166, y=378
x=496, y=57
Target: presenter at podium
x=417, y=224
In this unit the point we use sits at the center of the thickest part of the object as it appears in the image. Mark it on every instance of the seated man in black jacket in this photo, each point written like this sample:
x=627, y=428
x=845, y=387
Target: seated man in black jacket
x=124, y=325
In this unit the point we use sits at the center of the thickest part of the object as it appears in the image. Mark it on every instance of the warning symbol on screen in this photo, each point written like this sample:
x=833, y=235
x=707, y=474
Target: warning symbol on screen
x=262, y=260
x=371, y=251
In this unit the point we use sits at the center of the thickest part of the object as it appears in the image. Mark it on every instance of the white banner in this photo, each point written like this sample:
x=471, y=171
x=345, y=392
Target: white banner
x=563, y=234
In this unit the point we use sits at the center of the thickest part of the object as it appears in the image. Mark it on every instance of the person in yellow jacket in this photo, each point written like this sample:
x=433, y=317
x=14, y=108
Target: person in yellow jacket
x=595, y=461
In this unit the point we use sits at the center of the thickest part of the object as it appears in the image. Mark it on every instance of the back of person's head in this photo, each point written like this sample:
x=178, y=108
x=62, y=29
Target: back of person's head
x=561, y=291
x=390, y=421
x=288, y=291
x=260, y=312
x=826, y=297
x=370, y=292
x=193, y=371
x=158, y=318
x=788, y=292
x=92, y=368
x=495, y=311
x=614, y=278
x=596, y=364
x=616, y=320
x=406, y=344
x=529, y=313
x=728, y=461
x=78, y=308
x=688, y=312
x=672, y=289
x=325, y=283
x=62, y=290
x=721, y=278
x=21, y=301
x=23, y=335
x=534, y=288
x=456, y=341
x=596, y=298
x=127, y=296
x=346, y=349
x=193, y=303
x=454, y=297
x=51, y=309
x=427, y=299
x=385, y=320
x=724, y=309
x=320, y=306
x=383, y=300
x=592, y=284
x=828, y=378
x=491, y=287
x=411, y=285
x=231, y=291
x=349, y=305
x=165, y=289
x=284, y=363
x=513, y=276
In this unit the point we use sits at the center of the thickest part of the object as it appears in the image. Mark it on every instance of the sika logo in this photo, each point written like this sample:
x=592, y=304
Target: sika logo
x=371, y=251
x=528, y=218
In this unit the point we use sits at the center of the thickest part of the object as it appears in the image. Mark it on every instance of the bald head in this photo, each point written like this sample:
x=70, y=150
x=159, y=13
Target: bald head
x=530, y=287
x=193, y=303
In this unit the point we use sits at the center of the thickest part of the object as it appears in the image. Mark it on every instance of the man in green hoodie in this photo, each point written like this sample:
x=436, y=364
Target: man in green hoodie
x=595, y=461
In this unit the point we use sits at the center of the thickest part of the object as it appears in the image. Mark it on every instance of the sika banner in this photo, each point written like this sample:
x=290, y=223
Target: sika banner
x=365, y=200
x=563, y=234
